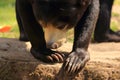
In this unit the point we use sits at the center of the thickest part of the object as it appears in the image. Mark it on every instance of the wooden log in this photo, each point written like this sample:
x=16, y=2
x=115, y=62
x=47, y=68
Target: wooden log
x=16, y=62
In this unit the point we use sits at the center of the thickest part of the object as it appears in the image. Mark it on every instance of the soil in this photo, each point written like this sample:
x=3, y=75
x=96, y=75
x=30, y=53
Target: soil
x=16, y=62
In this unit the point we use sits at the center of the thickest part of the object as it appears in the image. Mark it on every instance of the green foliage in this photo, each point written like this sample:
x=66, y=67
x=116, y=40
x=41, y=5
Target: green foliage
x=114, y=26
x=7, y=17
x=115, y=14
x=117, y=2
x=6, y=3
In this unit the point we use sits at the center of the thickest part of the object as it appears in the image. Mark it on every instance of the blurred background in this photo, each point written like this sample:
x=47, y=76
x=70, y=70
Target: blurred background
x=8, y=19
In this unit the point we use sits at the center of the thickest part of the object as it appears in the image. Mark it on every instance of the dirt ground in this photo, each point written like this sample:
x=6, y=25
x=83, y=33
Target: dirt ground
x=16, y=62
